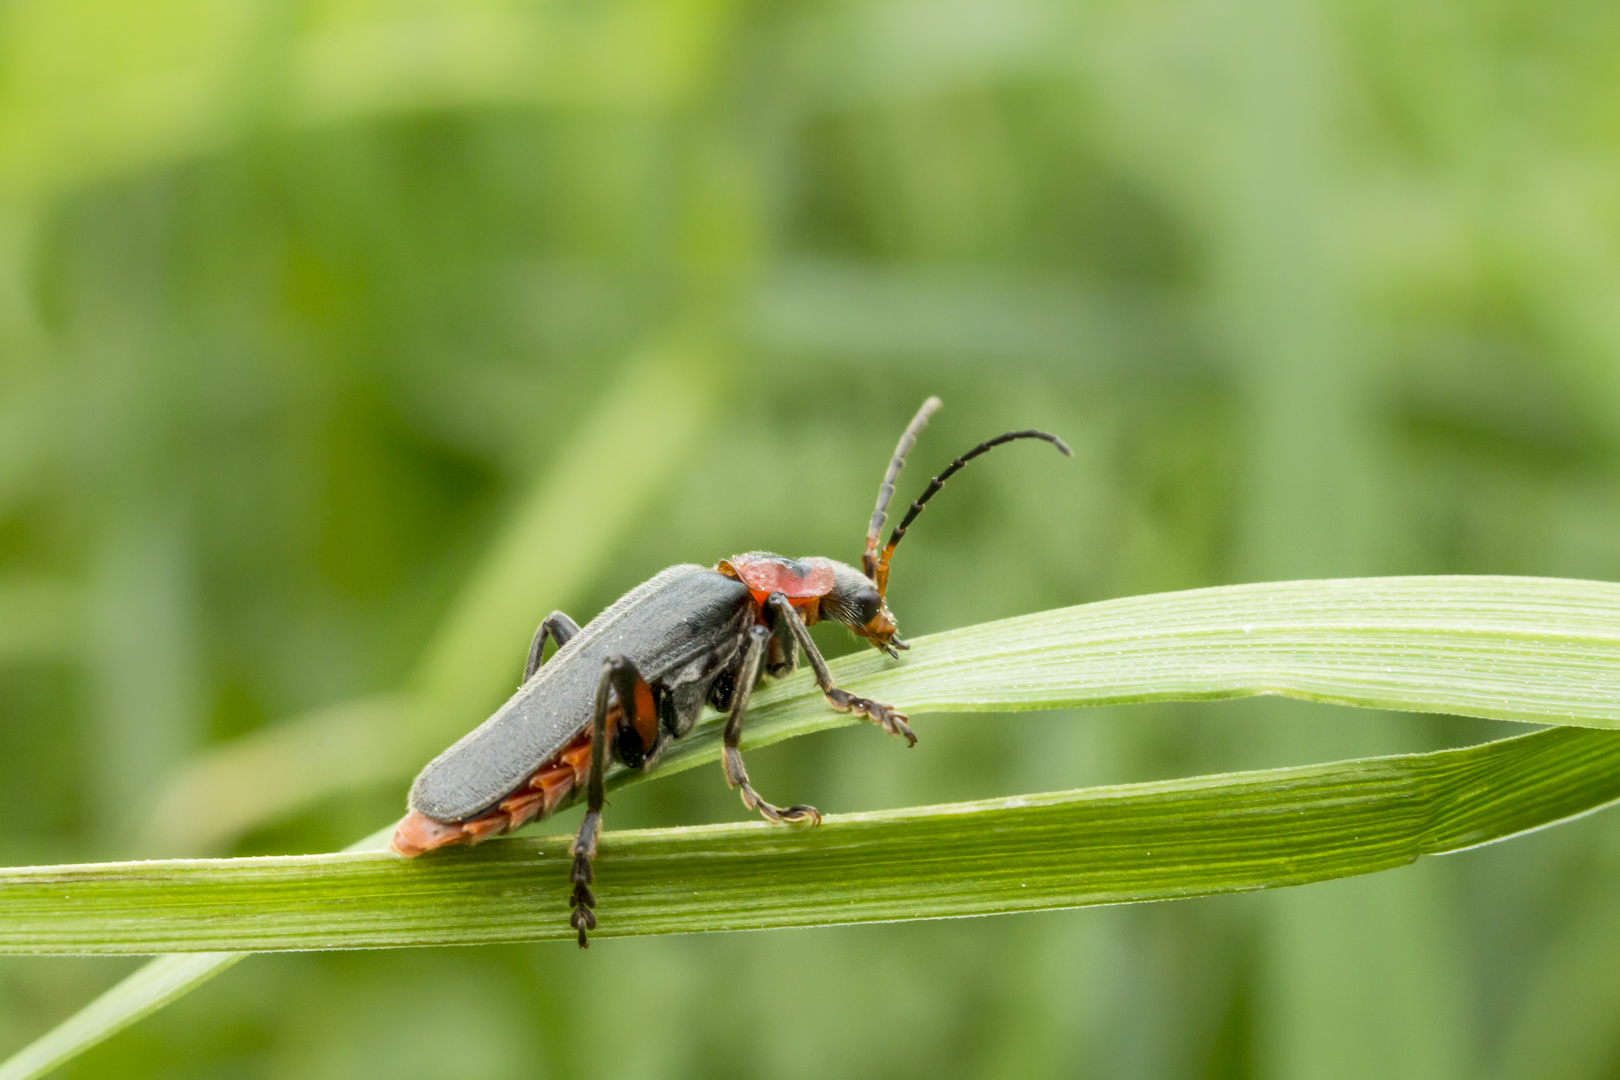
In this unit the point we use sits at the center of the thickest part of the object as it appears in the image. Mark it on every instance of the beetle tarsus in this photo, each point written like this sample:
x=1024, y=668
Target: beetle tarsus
x=776, y=815
x=582, y=918
x=582, y=900
x=737, y=777
x=885, y=716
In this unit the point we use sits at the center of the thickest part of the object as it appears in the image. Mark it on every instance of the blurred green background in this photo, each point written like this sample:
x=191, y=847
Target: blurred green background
x=342, y=340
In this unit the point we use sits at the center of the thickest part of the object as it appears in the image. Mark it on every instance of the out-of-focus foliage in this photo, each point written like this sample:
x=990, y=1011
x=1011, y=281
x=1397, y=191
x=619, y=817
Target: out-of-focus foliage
x=300, y=305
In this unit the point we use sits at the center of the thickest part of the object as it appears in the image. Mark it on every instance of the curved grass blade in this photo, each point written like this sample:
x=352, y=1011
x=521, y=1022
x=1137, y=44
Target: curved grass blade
x=1545, y=650
x=146, y=991
x=138, y=995
x=1154, y=841
x=1540, y=650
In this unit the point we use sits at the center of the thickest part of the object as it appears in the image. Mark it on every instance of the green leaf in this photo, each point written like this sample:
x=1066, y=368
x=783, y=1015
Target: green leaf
x=138, y=995
x=141, y=994
x=1528, y=649
x=1542, y=650
x=1154, y=841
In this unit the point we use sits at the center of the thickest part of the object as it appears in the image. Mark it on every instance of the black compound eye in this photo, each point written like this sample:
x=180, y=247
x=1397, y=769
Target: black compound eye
x=867, y=603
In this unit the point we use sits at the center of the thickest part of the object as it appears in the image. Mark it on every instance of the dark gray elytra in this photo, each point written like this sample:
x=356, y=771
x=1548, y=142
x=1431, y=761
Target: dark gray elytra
x=682, y=628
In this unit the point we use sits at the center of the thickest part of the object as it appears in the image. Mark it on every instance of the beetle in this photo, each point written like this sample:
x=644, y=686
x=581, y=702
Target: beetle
x=637, y=676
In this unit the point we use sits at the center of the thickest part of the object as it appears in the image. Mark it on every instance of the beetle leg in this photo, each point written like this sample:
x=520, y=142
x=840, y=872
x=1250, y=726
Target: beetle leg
x=782, y=655
x=623, y=680
x=886, y=716
x=560, y=628
x=736, y=775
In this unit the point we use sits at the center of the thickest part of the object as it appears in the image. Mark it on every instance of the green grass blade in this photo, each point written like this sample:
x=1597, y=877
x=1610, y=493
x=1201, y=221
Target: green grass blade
x=139, y=995
x=1541, y=650
x=1535, y=649
x=1154, y=841
x=1528, y=649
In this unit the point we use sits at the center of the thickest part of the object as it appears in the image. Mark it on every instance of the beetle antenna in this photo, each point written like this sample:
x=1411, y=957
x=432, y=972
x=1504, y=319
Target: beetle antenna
x=869, y=561
x=881, y=577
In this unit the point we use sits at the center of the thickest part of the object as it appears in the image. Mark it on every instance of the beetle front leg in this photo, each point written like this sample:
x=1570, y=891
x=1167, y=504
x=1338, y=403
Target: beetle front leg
x=886, y=716
x=621, y=677
x=559, y=628
x=782, y=655
x=737, y=776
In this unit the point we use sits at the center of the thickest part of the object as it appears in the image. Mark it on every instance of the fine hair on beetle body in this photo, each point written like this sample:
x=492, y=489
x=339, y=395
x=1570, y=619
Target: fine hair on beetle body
x=639, y=674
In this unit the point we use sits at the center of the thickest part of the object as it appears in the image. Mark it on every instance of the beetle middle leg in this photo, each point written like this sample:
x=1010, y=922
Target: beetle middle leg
x=886, y=716
x=736, y=775
x=621, y=678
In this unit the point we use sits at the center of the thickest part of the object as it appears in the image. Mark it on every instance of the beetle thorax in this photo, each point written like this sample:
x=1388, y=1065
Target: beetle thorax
x=818, y=588
x=803, y=581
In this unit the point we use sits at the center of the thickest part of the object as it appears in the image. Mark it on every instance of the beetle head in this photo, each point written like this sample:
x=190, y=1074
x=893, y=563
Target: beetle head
x=856, y=601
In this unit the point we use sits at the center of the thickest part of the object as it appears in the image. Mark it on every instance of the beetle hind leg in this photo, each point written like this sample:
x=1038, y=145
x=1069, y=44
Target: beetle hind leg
x=620, y=679
x=557, y=626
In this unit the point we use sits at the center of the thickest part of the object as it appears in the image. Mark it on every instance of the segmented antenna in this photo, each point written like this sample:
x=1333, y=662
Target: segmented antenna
x=881, y=577
x=886, y=489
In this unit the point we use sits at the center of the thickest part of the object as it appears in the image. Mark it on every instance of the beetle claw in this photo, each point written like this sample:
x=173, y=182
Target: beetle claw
x=897, y=726
x=796, y=814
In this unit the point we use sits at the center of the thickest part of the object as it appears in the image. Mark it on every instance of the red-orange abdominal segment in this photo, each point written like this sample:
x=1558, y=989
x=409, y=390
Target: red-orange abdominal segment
x=544, y=792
